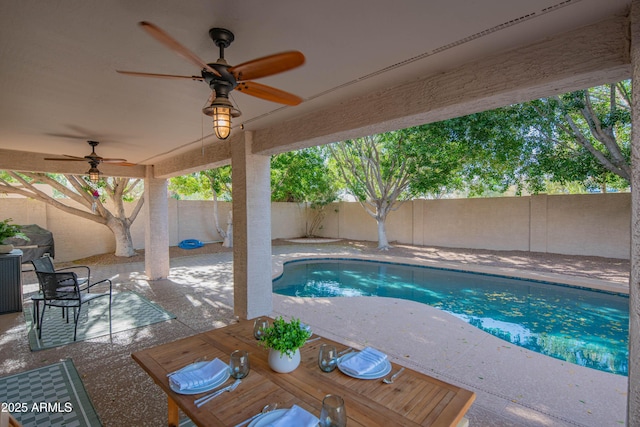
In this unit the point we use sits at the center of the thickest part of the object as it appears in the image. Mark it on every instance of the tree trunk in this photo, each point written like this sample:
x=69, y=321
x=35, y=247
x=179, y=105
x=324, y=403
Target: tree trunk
x=383, y=243
x=318, y=216
x=122, y=234
x=228, y=238
x=216, y=221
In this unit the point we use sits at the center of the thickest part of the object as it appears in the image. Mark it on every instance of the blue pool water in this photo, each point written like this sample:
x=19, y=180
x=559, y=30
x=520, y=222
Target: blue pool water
x=588, y=328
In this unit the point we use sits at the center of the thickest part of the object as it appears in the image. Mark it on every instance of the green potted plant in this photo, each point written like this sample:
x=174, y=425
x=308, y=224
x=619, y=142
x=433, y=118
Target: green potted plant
x=284, y=339
x=8, y=231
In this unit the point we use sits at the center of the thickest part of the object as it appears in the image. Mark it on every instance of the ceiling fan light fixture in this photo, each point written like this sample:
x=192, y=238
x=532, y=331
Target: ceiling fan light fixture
x=94, y=174
x=222, y=121
x=223, y=78
x=221, y=110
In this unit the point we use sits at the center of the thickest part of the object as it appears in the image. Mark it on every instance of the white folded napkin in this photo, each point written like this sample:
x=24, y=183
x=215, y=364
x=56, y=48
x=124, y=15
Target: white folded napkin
x=295, y=417
x=200, y=377
x=365, y=361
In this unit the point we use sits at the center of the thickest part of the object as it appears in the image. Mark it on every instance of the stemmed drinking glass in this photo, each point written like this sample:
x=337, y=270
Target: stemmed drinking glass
x=333, y=413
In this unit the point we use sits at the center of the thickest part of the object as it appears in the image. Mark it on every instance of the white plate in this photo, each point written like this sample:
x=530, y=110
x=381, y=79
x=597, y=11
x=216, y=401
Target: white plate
x=380, y=371
x=266, y=419
x=201, y=389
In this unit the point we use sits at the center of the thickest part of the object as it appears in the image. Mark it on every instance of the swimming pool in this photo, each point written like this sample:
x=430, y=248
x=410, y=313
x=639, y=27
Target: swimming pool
x=585, y=327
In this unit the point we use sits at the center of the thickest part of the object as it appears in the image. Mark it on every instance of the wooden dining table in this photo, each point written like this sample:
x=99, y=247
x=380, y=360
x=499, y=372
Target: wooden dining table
x=414, y=399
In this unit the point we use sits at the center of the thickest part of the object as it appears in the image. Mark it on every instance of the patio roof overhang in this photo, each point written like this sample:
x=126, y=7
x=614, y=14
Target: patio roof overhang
x=421, y=63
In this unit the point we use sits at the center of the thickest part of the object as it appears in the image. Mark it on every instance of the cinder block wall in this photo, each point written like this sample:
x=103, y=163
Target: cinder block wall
x=589, y=224
x=592, y=224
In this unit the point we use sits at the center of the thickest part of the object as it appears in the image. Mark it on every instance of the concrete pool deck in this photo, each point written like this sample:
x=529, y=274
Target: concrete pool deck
x=514, y=386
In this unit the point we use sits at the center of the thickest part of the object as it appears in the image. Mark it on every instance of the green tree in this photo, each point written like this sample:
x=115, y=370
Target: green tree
x=584, y=136
x=382, y=171
x=300, y=176
x=303, y=176
x=91, y=199
x=577, y=139
x=479, y=153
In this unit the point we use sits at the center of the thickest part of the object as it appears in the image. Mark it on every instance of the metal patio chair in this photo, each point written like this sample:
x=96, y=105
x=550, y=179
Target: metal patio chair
x=45, y=264
x=62, y=289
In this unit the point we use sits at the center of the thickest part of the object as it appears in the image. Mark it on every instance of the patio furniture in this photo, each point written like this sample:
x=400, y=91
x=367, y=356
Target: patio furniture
x=10, y=282
x=415, y=399
x=62, y=289
x=45, y=264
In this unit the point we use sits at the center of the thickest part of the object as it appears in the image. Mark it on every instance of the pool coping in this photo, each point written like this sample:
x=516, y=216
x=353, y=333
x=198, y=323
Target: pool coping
x=538, y=276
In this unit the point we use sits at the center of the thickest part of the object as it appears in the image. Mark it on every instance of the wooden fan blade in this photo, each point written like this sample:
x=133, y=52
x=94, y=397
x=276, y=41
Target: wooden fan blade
x=114, y=161
x=67, y=159
x=268, y=65
x=67, y=136
x=118, y=162
x=160, y=76
x=269, y=93
x=164, y=38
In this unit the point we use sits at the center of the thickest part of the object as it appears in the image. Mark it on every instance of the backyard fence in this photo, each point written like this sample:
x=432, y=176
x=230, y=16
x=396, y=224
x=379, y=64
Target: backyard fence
x=590, y=224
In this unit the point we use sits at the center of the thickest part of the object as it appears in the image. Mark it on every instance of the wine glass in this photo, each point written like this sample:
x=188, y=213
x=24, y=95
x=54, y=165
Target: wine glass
x=333, y=413
x=327, y=357
x=259, y=326
x=239, y=364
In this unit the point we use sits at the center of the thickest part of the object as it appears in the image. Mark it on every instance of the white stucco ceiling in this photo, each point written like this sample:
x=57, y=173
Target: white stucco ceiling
x=59, y=87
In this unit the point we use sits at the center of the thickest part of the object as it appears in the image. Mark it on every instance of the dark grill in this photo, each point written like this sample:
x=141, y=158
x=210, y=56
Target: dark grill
x=40, y=243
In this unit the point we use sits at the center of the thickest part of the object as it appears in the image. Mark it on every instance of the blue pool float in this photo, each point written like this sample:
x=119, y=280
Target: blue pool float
x=190, y=244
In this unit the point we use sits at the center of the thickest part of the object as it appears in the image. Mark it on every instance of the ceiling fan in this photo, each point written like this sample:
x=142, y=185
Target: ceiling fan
x=93, y=159
x=222, y=78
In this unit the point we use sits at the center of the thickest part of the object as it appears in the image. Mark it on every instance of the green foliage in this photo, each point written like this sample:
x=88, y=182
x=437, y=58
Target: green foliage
x=186, y=186
x=202, y=185
x=583, y=136
x=303, y=176
x=374, y=168
x=477, y=154
x=434, y=159
x=485, y=151
x=8, y=231
x=285, y=337
x=577, y=139
x=219, y=181
x=561, y=143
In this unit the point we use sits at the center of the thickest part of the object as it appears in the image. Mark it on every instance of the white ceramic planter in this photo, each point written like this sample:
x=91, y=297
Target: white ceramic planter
x=282, y=363
x=5, y=249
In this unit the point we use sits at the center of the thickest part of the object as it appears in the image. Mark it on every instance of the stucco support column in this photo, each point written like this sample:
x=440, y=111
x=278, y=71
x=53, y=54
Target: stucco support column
x=251, y=191
x=633, y=398
x=156, y=226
